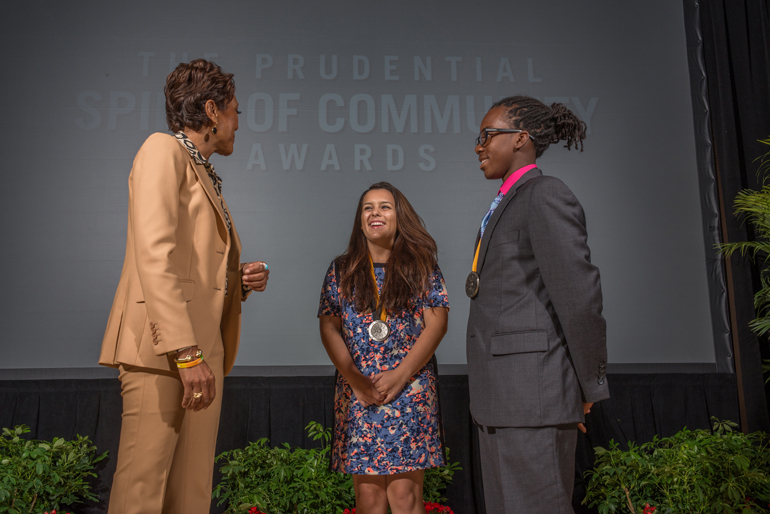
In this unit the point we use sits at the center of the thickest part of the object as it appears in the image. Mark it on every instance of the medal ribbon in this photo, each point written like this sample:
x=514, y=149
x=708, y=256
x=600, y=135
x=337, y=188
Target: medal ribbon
x=495, y=203
x=380, y=311
x=476, y=257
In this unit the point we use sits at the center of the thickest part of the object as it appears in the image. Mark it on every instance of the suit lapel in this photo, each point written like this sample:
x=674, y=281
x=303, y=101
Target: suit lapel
x=507, y=199
x=236, y=241
x=205, y=181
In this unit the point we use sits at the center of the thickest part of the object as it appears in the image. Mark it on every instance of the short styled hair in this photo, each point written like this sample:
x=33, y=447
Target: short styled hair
x=189, y=87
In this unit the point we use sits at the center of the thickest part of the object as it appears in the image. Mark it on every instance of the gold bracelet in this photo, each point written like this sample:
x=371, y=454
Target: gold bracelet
x=190, y=357
x=182, y=365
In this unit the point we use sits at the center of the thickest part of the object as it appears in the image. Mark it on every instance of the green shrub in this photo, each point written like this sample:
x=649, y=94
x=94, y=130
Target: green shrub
x=40, y=476
x=691, y=472
x=283, y=480
x=436, y=481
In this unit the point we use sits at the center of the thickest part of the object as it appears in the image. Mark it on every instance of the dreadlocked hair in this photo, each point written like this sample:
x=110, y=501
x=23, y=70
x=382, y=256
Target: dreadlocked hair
x=546, y=124
x=409, y=267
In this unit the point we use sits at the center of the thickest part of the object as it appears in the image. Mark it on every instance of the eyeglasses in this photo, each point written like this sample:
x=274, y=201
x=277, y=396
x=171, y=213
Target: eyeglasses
x=486, y=135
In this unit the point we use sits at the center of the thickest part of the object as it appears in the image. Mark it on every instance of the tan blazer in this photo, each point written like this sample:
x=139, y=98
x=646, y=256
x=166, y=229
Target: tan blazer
x=171, y=292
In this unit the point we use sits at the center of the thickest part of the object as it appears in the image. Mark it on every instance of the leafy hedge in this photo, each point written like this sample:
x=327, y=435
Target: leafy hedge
x=41, y=476
x=285, y=480
x=699, y=471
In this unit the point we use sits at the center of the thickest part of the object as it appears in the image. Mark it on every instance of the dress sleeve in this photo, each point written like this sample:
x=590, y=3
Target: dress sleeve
x=330, y=299
x=437, y=296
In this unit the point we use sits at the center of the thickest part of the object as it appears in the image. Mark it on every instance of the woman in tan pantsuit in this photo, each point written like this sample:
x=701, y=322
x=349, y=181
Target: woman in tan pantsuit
x=175, y=323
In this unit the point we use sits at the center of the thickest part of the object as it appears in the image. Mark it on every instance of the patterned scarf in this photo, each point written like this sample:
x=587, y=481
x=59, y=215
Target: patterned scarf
x=199, y=159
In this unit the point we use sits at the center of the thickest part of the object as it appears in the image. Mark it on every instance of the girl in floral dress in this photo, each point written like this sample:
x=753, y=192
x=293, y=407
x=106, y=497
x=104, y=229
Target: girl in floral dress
x=383, y=312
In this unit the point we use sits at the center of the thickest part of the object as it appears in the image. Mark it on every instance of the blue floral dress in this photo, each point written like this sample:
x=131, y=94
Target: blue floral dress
x=403, y=435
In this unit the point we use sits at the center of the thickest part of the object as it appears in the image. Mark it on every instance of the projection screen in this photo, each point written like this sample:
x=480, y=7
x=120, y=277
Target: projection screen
x=336, y=96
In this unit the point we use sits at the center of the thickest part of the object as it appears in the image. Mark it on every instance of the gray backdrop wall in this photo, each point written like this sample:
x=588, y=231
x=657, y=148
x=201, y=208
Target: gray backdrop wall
x=336, y=96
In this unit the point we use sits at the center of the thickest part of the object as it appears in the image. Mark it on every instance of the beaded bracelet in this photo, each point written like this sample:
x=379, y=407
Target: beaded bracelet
x=182, y=365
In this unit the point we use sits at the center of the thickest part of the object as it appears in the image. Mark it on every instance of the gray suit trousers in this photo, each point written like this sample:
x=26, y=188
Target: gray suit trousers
x=528, y=470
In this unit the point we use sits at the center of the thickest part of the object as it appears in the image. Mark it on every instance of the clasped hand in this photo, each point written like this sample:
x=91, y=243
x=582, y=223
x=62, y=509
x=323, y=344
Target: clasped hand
x=389, y=384
x=381, y=389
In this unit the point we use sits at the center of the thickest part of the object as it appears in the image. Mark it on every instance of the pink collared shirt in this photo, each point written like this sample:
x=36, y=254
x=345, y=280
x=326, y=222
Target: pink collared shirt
x=515, y=176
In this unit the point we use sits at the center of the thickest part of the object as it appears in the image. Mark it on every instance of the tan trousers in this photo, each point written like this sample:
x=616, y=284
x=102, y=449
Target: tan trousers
x=166, y=456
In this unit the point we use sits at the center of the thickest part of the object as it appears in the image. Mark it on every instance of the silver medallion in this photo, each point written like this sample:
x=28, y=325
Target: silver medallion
x=379, y=330
x=472, y=284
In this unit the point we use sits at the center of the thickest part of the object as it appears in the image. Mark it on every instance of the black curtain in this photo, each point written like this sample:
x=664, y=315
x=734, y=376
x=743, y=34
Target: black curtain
x=280, y=407
x=736, y=52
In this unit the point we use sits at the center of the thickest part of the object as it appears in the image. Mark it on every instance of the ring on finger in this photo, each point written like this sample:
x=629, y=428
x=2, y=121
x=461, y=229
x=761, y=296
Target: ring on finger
x=197, y=396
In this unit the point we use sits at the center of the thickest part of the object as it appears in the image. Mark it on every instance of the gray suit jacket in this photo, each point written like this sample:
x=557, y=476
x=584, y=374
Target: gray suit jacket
x=536, y=337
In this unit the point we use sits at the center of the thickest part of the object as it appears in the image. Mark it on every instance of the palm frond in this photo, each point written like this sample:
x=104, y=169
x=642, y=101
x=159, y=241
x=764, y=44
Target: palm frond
x=764, y=161
x=754, y=207
x=760, y=326
x=746, y=248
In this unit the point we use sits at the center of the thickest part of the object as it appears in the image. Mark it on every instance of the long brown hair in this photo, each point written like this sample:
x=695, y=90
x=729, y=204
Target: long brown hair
x=409, y=266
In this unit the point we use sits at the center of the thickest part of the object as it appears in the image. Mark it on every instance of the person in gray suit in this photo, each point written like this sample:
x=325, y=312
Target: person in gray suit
x=536, y=339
